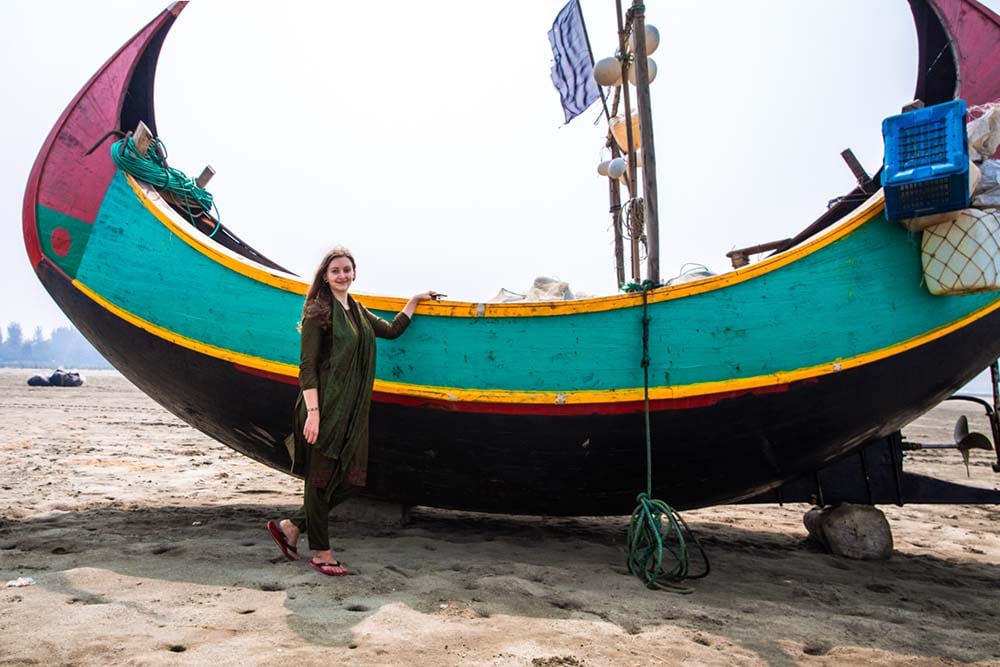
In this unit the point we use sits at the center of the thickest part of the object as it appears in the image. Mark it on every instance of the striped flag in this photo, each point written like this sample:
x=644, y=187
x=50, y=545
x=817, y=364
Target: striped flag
x=572, y=69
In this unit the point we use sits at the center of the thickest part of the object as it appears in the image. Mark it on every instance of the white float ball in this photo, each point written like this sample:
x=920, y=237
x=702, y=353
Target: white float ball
x=652, y=40
x=650, y=63
x=602, y=168
x=608, y=71
x=616, y=168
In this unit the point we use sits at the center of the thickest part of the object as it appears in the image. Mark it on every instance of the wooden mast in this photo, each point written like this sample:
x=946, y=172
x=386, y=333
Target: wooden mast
x=615, y=197
x=641, y=65
x=634, y=231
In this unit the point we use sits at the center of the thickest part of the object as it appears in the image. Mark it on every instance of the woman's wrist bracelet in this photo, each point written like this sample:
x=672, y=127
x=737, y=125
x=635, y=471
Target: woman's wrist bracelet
x=312, y=409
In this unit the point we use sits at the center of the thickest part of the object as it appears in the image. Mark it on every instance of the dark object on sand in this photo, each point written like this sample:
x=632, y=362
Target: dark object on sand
x=860, y=532
x=60, y=378
x=757, y=376
x=63, y=378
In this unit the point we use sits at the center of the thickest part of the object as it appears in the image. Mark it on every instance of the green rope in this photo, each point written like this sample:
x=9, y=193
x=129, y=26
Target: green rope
x=153, y=169
x=648, y=540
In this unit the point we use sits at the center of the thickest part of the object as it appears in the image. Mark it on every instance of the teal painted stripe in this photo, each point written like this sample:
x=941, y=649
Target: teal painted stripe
x=136, y=263
x=860, y=294
x=53, y=223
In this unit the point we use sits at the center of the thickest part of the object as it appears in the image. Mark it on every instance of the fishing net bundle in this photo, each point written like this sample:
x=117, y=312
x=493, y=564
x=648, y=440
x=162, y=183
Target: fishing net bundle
x=961, y=256
x=960, y=250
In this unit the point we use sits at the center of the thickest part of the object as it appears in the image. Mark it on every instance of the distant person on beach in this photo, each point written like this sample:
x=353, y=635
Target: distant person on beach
x=336, y=374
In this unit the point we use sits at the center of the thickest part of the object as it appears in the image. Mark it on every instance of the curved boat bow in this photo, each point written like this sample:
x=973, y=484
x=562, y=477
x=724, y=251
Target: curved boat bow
x=64, y=180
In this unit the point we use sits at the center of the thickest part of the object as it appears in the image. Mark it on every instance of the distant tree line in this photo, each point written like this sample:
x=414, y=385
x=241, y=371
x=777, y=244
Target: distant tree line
x=66, y=348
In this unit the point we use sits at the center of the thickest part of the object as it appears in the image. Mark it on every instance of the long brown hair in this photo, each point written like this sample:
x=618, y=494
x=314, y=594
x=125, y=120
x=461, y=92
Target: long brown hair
x=319, y=299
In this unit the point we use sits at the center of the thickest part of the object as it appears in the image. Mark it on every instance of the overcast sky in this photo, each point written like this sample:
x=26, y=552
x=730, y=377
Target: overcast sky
x=428, y=137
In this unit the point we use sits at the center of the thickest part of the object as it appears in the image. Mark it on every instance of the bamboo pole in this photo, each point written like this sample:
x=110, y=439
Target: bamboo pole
x=646, y=133
x=630, y=149
x=615, y=197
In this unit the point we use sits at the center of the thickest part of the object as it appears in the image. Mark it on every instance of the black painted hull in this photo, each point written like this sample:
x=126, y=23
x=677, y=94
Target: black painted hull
x=556, y=465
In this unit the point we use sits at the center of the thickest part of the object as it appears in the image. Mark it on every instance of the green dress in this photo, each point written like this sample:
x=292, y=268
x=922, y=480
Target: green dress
x=339, y=362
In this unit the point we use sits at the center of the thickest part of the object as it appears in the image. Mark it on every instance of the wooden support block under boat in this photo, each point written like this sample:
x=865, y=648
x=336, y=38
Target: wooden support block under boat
x=859, y=532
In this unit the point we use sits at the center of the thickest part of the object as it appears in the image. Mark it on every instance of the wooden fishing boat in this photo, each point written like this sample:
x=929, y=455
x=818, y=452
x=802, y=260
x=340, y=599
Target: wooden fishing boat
x=756, y=376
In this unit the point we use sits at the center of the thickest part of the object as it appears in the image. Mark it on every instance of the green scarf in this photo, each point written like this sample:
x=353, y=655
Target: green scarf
x=346, y=377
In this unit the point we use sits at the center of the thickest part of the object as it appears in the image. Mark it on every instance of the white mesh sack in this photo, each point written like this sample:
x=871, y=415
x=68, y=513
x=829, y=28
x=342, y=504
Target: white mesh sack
x=963, y=256
x=987, y=193
x=984, y=131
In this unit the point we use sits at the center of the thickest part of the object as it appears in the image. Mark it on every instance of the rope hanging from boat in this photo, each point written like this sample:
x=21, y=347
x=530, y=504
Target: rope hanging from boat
x=648, y=539
x=153, y=169
x=633, y=212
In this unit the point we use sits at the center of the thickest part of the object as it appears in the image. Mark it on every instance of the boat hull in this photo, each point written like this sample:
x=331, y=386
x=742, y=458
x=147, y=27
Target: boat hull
x=574, y=464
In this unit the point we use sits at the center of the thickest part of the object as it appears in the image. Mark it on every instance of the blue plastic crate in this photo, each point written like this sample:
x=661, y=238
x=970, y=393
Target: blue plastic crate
x=926, y=166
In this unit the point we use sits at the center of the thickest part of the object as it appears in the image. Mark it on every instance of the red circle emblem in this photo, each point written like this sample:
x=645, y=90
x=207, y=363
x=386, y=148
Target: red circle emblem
x=60, y=241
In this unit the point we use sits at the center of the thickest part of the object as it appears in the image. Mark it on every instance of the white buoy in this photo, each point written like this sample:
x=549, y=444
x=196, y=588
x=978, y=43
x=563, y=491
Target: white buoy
x=652, y=71
x=602, y=168
x=616, y=168
x=608, y=71
x=652, y=40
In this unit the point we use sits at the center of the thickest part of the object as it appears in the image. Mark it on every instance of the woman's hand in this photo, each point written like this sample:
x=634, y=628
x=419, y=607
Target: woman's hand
x=311, y=428
x=411, y=305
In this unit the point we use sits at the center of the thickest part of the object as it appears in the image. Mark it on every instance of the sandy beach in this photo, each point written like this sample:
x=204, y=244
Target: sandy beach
x=145, y=541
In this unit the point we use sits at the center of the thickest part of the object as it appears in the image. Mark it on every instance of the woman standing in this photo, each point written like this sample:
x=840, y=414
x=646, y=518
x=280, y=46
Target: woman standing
x=336, y=374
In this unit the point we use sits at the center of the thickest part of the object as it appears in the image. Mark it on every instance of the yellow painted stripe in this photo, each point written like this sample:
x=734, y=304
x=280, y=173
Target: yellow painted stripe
x=290, y=283
x=550, y=397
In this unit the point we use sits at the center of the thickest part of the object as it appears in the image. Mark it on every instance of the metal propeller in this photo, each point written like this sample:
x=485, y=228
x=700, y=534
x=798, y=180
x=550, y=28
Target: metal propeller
x=966, y=440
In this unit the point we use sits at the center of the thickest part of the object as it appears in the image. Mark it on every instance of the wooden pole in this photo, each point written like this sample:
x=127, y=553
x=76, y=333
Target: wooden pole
x=615, y=197
x=630, y=149
x=646, y=133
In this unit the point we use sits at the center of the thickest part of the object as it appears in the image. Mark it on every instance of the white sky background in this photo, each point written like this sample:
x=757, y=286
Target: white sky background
x=428, y=137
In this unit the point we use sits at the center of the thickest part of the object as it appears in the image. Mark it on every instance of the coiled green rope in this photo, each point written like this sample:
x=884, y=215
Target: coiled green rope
x=153, y=169
x=648, y=540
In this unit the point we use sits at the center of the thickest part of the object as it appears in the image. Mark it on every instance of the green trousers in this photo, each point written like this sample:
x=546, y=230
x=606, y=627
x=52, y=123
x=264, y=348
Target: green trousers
x=326, y=486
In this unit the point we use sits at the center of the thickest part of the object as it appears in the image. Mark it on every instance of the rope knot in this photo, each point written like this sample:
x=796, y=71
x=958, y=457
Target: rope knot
x=657, y=530
x=153, y=169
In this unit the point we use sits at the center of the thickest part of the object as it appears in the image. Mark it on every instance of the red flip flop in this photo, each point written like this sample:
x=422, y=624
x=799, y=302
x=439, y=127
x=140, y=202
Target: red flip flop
x=328, y=568
x=279, y=538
